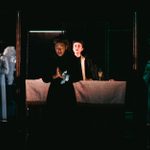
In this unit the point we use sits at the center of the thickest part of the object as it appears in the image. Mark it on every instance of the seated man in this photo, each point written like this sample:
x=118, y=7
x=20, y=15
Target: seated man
x=86, y=68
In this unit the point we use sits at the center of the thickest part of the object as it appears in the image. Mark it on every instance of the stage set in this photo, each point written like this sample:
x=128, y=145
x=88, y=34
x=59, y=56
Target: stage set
x=90, y=92
x=115, y=110
x=104, y=93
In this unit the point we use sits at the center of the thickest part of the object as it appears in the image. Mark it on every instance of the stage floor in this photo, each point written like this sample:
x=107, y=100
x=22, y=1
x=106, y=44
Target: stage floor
x=104, y=129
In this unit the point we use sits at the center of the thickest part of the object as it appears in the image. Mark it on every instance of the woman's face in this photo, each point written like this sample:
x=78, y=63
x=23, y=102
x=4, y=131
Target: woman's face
x=60, y=49
x=77, y=48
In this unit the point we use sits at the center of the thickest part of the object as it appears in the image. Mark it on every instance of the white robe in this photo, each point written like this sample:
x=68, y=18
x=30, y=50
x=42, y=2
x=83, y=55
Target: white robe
x=10, y=53
x=4, y=69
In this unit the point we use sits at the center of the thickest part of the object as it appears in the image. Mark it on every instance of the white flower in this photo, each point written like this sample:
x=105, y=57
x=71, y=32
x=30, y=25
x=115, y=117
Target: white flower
x=65, y=77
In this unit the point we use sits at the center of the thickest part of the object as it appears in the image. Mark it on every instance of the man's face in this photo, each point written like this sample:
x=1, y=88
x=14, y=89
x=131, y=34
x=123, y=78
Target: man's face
x=77, y=48
x=60, y=49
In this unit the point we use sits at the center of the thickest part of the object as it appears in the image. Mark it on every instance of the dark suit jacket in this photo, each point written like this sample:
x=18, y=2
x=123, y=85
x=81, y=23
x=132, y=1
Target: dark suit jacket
x=91, y=69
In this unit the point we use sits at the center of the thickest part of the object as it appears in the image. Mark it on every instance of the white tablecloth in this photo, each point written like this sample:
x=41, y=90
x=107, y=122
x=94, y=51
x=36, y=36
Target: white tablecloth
x=95, y=92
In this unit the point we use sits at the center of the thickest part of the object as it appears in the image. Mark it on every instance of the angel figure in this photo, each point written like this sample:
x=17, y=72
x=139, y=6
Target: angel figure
x=4, y=70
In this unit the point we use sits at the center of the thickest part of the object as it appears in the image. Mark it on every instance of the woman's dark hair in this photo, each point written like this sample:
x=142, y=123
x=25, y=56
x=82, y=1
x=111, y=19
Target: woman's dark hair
x=61, y=39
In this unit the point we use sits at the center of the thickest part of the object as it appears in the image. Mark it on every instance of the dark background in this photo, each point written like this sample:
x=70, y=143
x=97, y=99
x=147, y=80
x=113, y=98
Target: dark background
x=107, y=29
x=108, y=40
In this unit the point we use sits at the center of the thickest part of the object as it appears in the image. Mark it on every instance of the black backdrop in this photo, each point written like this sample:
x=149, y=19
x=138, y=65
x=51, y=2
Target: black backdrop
x=108, y=42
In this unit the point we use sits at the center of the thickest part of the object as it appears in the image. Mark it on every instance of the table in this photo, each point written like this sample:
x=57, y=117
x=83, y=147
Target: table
x=89, y=92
